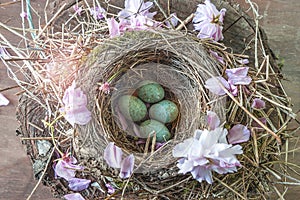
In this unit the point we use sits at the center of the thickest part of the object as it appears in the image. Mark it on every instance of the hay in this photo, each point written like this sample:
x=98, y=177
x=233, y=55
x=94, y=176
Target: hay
x=184, y=64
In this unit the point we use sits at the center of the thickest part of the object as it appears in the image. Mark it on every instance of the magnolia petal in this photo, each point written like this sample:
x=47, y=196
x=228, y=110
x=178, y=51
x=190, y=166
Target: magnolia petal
x=61, y=169
x=74, y=196
x=173, y=21
x=113, y=27
x=258, y=104
x=258, y=126
x=214, y=85
x=113, y=155
x=202, y=173
x=213, y=120
x=217, y=57
x=78, y=184
x=3, y=100
x=238, y=134
x=127, y=166
x=238, y=76
x=185, y=166
x=183, y=149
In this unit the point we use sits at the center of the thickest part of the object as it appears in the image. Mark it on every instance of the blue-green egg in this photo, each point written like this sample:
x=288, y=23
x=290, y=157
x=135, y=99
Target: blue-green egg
x=132, y=108
x=151, y=92
x=165, y=111
x=149, y=127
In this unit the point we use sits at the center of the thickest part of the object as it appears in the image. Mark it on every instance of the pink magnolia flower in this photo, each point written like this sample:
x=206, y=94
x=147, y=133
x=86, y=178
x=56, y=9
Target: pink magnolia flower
x=75, y=108
x=134, y=8
x=207, y=151
x=3, y=100
x=77, y=9
x=113, y=157
x=97, y=12
x=258, y=104
x=238, y=134
x=238, y=76
x=74, y=196
x=214, y=85
x=208, y=21
x=66, y=167
x=135, y=16
x=78, y=184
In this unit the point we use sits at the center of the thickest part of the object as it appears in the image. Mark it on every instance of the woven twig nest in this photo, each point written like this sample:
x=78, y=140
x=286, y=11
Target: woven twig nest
x=181, y=63
x=176, y=61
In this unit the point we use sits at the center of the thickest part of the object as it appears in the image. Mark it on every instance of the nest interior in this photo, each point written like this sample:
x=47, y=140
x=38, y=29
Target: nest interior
x=186, y=58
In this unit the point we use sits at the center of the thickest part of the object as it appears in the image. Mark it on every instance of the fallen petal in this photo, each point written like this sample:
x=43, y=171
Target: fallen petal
x=214, y=85
x=238, y=76
x=113, y=27
x=258, y=103
x=238, y=134
x=213, y=120
x=74, y=196
x=78, y=184
x=113, y=155
x=3, y=100
x=127, y=167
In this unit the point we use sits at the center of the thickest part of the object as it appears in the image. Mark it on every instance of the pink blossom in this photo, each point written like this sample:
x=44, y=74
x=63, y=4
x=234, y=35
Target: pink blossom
x=77, y=9
x=134, y=17
x=214, y=85
x=113, y=157
x=66, y=167
x=216, y=56
x=213, y=120
x=110, y=188
x=3, y=100
x=97, y=12
x=78, y=184
x=238, y=76
x=238, y=134
x=75, y=109
x=207, y=151
x=258, y=104
x=24, y=15
x=208, y=21
x=134, y=8
x=74, y=196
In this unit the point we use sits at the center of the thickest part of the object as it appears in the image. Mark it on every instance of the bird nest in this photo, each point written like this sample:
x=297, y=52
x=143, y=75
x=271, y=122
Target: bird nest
x=181, y=63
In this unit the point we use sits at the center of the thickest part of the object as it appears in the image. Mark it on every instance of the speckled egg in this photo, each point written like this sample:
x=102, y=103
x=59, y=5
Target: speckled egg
x=151, y=126
x=151, y=92
x=165, y=111
x=132, y=108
